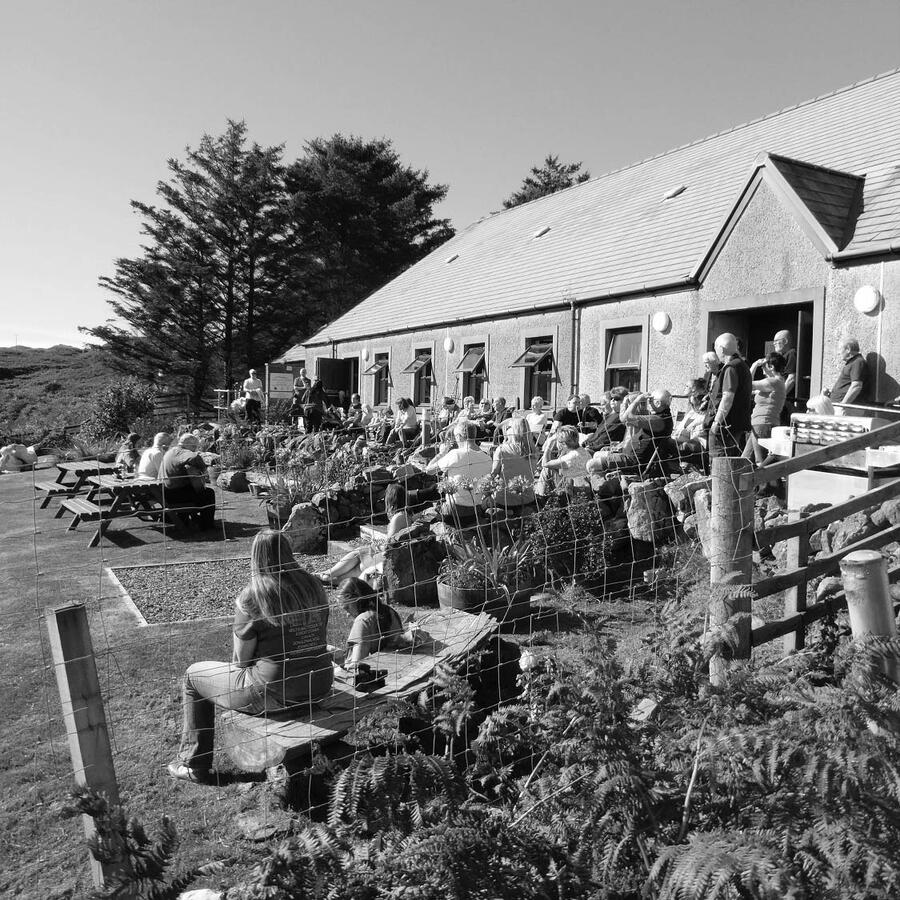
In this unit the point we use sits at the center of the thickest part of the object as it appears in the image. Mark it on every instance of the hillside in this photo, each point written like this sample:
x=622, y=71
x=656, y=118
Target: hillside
x=44, y=389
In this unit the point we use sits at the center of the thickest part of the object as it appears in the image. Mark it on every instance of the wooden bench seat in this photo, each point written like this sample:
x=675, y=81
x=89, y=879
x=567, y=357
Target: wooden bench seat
x=53, y=489
x=85, y=511
x=256, y=743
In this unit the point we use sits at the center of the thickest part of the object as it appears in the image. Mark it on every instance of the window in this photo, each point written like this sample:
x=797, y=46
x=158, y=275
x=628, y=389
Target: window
x=382, y=374
x=420, y=369
x=474, y=371
x=537, y=360
x=623, y=359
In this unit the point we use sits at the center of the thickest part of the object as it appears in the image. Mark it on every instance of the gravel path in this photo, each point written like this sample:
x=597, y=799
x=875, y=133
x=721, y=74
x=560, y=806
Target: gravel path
x=179, y=592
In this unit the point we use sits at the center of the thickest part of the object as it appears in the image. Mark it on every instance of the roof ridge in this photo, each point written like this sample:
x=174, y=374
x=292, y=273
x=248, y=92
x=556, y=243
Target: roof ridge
x=709, y=137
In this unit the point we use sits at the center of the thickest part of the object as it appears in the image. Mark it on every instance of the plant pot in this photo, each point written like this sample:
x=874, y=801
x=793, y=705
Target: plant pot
x=474, y=600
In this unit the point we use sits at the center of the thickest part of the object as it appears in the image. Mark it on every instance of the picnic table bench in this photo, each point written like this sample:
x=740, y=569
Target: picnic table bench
x=52, y=489
x=261, y=742
x=82, y=469
x=130, y=496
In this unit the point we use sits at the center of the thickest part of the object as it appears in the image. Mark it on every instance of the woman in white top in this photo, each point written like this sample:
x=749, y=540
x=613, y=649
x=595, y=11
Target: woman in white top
x=151, y=458
x=570, y=466
x=406, y=425
x=537, y=419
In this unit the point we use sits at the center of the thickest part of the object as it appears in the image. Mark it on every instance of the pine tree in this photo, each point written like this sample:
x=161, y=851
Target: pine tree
x=548, y=178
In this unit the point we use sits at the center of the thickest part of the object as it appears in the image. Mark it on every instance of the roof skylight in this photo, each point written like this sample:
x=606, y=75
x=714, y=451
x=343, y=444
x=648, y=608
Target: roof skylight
x=450, y=259
x=542, y=231
x=675, y=192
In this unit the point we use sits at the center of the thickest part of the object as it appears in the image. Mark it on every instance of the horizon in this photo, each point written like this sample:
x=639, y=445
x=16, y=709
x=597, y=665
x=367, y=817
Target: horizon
x=590, y=82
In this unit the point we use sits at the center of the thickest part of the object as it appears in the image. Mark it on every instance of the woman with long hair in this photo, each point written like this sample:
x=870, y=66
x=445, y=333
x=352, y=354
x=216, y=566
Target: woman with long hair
x=406, y=426
x=514, y=462
x=280, y=658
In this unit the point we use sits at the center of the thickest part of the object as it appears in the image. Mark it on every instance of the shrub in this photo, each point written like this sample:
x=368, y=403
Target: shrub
x=115, y=408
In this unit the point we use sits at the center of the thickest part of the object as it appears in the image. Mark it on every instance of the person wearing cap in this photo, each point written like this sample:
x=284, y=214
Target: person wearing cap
x=852, y=384
x=183, y=474
x=730, y=401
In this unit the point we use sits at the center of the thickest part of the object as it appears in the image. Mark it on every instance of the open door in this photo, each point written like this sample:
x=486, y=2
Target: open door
x=803, y=385
x=334, y=375
x=723, y=322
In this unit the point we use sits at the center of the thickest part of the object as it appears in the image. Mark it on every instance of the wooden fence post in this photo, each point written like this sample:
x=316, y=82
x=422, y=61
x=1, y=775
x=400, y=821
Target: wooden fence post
x=83, y=714
x=864, y=573
x=795, y=598
x=731, y=551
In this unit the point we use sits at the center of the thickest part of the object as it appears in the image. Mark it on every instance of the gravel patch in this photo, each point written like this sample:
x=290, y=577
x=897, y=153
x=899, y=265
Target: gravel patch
x=179, y=592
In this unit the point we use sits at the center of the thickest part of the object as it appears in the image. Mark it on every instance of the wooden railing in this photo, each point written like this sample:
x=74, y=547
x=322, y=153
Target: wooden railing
x=733, y=537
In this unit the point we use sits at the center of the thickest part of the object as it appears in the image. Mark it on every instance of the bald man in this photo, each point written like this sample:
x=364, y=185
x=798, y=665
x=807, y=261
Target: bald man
x=784, y=344
x=730, y=402
x=853, y=381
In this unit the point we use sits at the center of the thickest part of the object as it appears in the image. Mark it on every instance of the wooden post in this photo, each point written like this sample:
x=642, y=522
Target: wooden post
x=795, y=597
x=83, y=714
x=864, y=573
x=731, y=550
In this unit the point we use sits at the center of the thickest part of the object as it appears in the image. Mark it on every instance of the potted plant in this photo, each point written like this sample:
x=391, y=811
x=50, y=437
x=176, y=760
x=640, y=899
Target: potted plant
x=499, y=580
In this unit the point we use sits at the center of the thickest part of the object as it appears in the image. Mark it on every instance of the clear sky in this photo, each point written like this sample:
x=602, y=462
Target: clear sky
x=95, y=96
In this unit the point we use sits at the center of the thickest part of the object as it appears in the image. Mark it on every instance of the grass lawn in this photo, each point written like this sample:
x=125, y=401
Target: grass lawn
x=140, y=670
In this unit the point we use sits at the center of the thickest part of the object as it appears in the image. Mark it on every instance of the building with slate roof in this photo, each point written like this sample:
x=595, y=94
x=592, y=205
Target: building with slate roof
x=627, y=278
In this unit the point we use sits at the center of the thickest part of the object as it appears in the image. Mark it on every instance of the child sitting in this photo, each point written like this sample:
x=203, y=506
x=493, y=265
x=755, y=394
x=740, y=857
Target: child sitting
x=376, y=625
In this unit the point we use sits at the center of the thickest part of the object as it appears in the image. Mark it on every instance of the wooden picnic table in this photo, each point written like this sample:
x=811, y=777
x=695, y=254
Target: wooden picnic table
x=130, y=496
x=82, y=469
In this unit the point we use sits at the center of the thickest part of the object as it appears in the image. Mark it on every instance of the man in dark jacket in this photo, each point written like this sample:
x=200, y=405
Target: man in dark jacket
x=730, y=402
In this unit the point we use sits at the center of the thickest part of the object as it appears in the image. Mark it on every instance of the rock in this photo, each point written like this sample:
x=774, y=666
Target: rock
x=820, y=541
x=233, y=480
x=411, y=561
x=890, y=509
x=649, y=512
x=850, y=530
x=690, y=526
x=306, y=529
x=810, y=508
x=879, y=519
x=606, y=488
x=378, y=475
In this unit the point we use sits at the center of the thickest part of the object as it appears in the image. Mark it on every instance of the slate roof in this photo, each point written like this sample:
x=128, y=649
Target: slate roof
x=832, y=197
x=615, y=233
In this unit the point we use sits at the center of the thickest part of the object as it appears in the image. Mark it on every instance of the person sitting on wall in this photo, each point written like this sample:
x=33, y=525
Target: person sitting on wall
x=500, y=413
x=128, y=455
x=537, y=419
x=611, y=429
x=648, y=422
x=589, y=418
x=368, y=560
x=690, y=433
x=852, y=383
x=712, y=365
x=484, y=419
x=568, y=415
x=567, y=473
x=514, y=462
x=406, y=428
x=463, y=468
x=183, y=474
x=384, y=424
x=446, y=416
x=152, y=457
x=359, y=415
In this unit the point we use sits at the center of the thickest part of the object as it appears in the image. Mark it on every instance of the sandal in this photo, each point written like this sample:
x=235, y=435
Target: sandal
x=185, y=773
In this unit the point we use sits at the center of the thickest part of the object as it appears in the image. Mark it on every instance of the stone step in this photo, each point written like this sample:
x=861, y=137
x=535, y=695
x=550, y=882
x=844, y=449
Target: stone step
x=373, y=532
x=339, y=548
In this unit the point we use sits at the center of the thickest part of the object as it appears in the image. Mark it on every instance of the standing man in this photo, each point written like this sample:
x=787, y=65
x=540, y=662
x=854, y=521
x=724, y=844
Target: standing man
x=711, y=366
x=852, y=384
x=253, y=394
x=302, y=382
x=784, y=344
x=730, y=401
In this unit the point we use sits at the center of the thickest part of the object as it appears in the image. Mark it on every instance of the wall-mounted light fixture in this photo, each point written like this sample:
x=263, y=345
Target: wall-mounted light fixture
x=365, y=354
x=661, y=321
x=449, y=346
x=867, y=299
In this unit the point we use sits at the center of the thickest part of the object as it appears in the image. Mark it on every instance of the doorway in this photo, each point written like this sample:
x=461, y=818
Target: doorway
x=755, y=326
